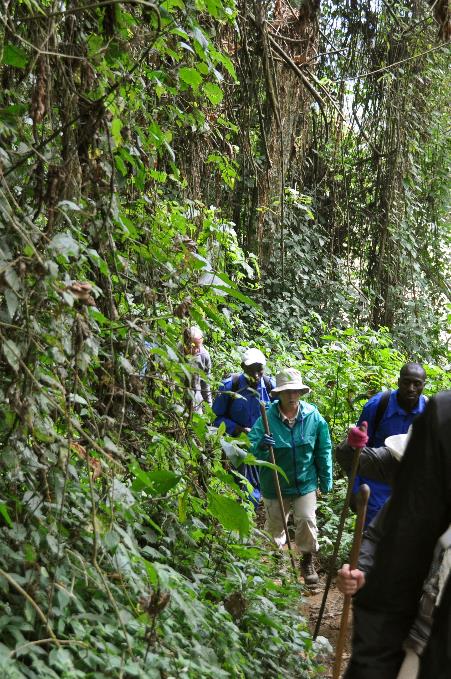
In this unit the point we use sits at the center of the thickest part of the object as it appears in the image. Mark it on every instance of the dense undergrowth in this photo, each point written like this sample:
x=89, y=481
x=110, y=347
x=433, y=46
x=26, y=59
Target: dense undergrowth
x=126, y=547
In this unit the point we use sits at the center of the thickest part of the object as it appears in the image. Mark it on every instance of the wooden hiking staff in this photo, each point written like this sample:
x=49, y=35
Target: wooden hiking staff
x=362, y=503
x=343, y=515
x=277, y=486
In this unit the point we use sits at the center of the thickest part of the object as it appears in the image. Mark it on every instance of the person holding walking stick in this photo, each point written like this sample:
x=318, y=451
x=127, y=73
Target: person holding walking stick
x=418, y=514
x=300, y=439
x=383, y=463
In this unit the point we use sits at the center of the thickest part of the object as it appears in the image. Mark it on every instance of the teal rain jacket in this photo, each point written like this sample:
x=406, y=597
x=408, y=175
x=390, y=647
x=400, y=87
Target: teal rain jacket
x=304, y=452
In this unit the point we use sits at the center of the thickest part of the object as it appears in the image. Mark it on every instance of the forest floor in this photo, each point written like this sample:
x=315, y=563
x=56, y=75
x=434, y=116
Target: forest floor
x=330, y=624
x=311, y=603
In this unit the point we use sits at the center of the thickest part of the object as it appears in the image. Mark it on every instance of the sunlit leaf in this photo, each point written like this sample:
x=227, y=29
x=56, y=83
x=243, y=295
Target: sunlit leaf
x=229, y=513
x=214, y=93
x=190, y=76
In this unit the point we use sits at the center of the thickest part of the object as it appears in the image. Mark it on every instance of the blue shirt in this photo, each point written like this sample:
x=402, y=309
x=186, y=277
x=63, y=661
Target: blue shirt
x=243, y=411
x=395, y=420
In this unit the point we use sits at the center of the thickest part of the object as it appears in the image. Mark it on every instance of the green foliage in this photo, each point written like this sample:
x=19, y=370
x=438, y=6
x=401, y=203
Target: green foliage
x=384, y=198
x=329, y=513
x=127, y=546
x=229, y=514
x=14, y=56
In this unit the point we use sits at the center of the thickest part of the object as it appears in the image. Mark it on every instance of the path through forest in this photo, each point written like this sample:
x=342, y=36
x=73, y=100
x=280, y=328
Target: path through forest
x=309, y=609
x=331, y=620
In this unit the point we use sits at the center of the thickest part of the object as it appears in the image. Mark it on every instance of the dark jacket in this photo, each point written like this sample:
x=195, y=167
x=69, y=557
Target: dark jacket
x=371, y=539
x=378, y=464
x=419, y=512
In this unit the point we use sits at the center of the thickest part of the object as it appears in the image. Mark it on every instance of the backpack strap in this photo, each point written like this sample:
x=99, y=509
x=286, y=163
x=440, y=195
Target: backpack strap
x=235, y=381
x=268, y=384
x=234, y=388
x=381, y=408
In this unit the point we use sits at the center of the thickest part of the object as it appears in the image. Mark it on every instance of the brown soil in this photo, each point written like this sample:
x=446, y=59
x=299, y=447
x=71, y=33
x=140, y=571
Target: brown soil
x=330, y=624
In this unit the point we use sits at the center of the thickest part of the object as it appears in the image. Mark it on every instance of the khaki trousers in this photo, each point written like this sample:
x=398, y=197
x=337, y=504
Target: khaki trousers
x=304, y=516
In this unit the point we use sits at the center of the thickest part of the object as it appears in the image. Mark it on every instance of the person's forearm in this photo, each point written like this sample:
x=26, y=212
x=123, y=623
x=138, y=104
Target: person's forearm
x=344, y=455
x=230, y=425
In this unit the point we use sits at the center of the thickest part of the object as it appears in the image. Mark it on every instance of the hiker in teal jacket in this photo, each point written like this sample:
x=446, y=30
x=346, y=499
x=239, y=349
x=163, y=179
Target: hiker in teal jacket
x=302, y=448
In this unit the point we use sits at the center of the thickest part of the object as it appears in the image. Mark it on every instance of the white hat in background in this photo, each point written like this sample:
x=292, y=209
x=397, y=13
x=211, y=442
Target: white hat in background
x=290, y=378
x=398, y=443
x=252, y=356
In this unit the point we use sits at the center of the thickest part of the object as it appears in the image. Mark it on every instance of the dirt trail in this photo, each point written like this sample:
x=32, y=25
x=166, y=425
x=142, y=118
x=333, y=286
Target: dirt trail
x=309, y=609
x=331, y=620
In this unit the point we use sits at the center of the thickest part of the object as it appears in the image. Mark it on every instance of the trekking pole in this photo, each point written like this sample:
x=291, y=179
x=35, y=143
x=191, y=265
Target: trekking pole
x=277, y=486
x=344, y=513
x=362, y=503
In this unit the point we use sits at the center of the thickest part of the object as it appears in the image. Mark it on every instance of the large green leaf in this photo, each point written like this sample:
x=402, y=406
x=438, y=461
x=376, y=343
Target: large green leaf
x=158, y=482
x=190, y=76
x=234, y=292
x=4, y=512
x=116, y=127
x=14, y=56
x=214, y=93
x=229, y=513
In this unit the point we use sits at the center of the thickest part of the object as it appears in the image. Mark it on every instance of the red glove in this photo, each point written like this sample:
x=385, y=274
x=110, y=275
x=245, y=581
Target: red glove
x=357, y=437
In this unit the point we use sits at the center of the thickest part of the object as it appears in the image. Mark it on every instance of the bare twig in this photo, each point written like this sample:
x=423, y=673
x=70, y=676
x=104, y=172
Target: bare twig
x=41, y=642
x=383, y=69
x=32, y=602
x=94, y=5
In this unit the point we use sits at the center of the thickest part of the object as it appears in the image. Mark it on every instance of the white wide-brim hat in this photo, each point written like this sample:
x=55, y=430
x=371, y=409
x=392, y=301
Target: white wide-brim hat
x=252, y=356
x=398, y=443
x=290, y=379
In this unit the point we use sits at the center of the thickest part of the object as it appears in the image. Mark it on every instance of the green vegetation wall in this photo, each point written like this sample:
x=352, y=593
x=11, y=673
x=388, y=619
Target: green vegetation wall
x=335, y=165
x=177, y=162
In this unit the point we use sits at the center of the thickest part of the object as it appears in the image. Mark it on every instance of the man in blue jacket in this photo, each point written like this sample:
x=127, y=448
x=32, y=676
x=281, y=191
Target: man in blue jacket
x=238, y=405
x=302, y=448
x=389, y=413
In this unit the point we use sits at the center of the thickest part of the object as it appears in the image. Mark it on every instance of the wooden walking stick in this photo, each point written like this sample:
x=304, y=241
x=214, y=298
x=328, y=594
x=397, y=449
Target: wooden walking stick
x=362, y=503
x=344, y=513
x=277, y=486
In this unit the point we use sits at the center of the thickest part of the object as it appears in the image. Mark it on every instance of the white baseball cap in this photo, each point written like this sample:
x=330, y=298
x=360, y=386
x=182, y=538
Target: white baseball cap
x=252, y=356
